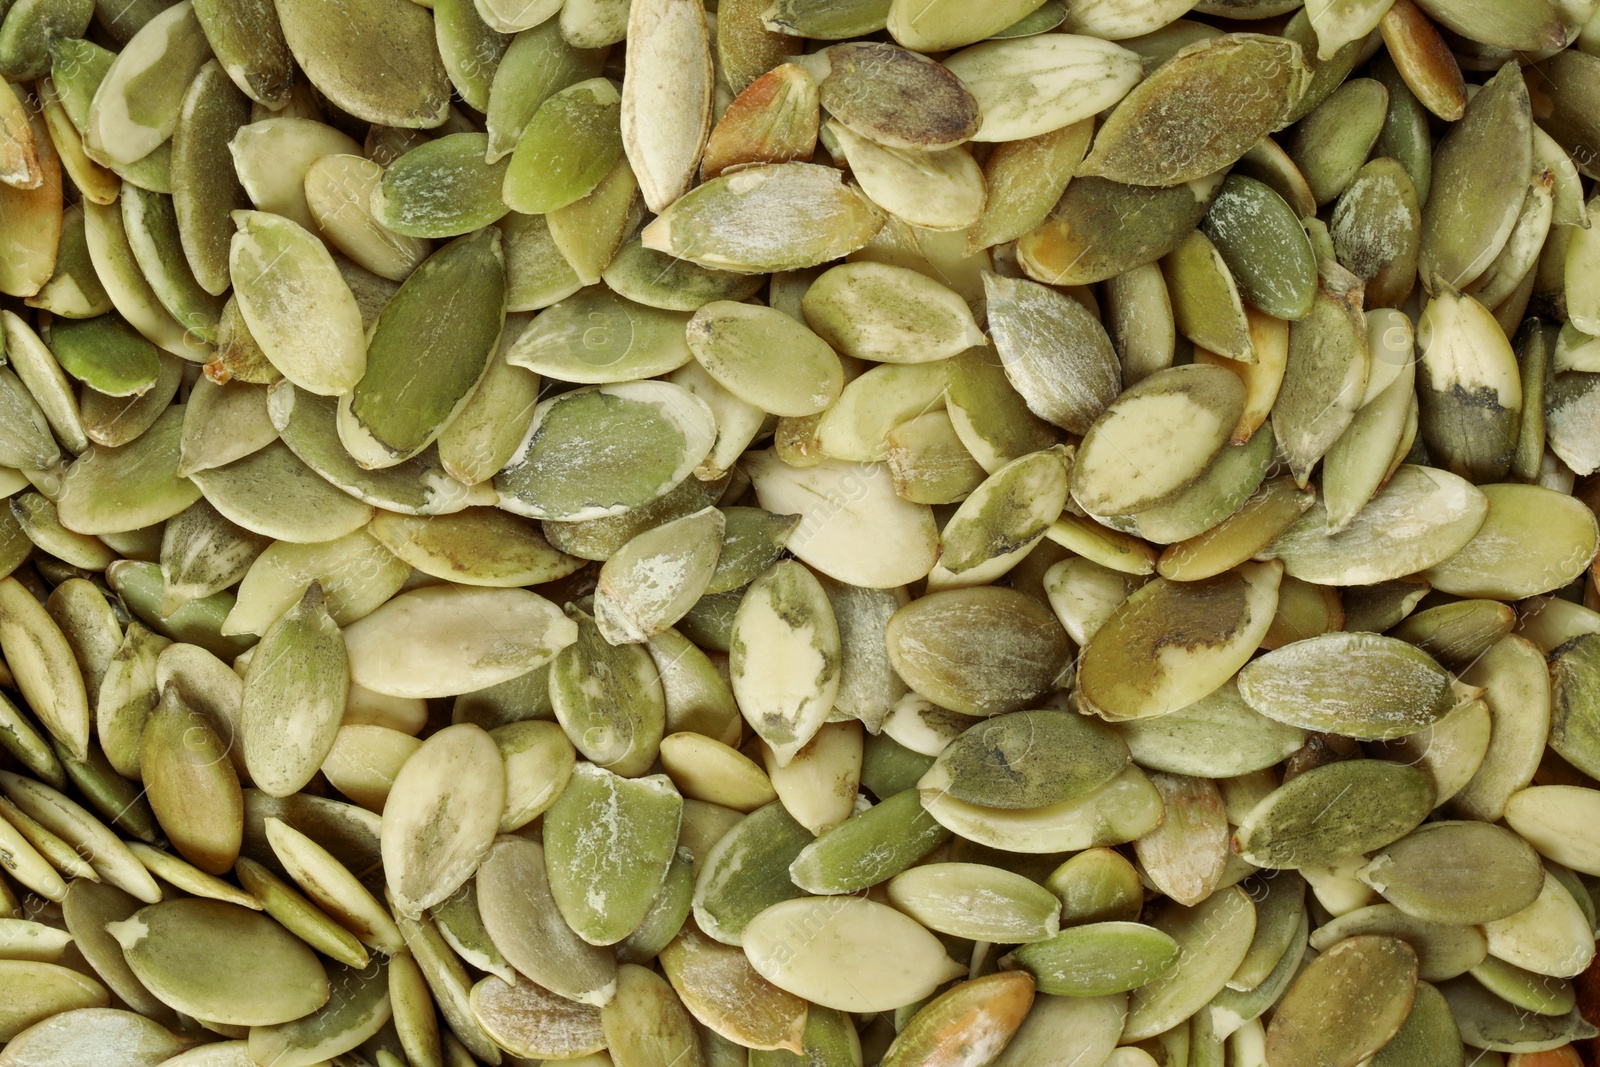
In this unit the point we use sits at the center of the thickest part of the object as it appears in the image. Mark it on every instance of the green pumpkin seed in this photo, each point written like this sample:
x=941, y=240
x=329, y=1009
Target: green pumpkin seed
x=378, y=61
x=1325, y=815
x=299, y=915
x=827, y=21
x=521, y=916
x=1125, y=808
x=478, y=546
x=1232, y=610
x=868, y=848
x=1100, y=229
x=1212, y=938
x=866, y=83
x=1185, y=856
x=597, y=337
x=646, y=1024
x=1085, y=1027
x=106, y=354
x=222, y=424
x=316, y=341
x=803, y=945
x=660, y=421
x=444, y=639
x=202, y=553
x=294, y=697
x=1025, y=179
x=1055, y=354
x=963, y=1023
x=1386, y=688
x=1145, y=143
x=1267, y=254
x=715, y=224
x=1457, y=872
x=222, y=962
x=339, y=191
x=655, y=578
x=1032, y=85
x=529, y=1021
x=1483, y=166
x=609, y=700
x=784, y=657
x=356, y=573
x=1443, y=950
x=405, y=357
x=240, y=489
x=1346, y=1005
x=547, y=171
x=1487, y=1021
x=1097, y=959
x=136, y=106
x=601, y=827
x=746, y=871
x=43, y=664
x=356, y=1015
x=1373, y=548
x=976, y=901
x=1509, y=557
x=192, y=787
x=978, y=651
x=721, y=989
x=1375, y=230
x=1027, y=759
x=88, y=1031
x=1122, y=470
x=249, y=46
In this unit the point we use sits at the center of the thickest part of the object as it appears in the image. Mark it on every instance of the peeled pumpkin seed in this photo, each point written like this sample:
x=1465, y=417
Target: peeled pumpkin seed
x=1324, y=815
x=1385, y=688
x=222, y=962
x=1426, y=874
x=1347, y=1004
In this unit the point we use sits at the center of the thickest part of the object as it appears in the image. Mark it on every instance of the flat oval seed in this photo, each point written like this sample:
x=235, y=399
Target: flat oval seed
x=222, y=962
x=735, y=343
x=1444, y=950
x=1457, y=872
x=191, y=785
x=359, y=1012
x=111, y=490
x=1361, y=685
x=1200, y=111
x=294, y=697
x=35, y=991
x=521, y=917
x=967, y=1024
x=1346, y=1005
x=597, y=337
x=443, y=640
x=783, y=216
x=976, y=901
x=1122, y=810
x=1218, y=736
x=442, y=816
x=1482, y=164
x=338, y=191
x=1097, y=959
x=1172, y=643
x=1260, y=238
x=377, y=60
x=296, y=304
x=1212, y=937
x=978, y=651
x=646, y=1024
x=1101, y=229
x=1328, y=814
x=532, y=1022
x=44, y=667
x=1422, y=517
x=1027, y=759
x=329, y=882
x=1558, y=820
x=869, y=847
x=1033, y=85
x=1534, y=540
x=557, y=473
x=746, y=871
x=83, y=832
x=896, y=98
x=1485, y=1019
x=1155, y=438
x=608, y=843
x=1055, y=352
x=136, y=106
x=884, y=958
x=569, y=146
x=784, y=657
x=81, y=1034
x=666, y=97
x=441, y=188
x=727, y=995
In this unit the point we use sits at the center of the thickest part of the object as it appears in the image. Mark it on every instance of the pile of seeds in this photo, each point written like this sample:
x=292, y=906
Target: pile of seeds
x=799, y=533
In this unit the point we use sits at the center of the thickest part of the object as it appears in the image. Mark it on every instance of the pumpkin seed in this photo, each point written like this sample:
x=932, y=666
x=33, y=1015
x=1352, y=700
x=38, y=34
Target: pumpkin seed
x=88, y=1031
x=976, y=901
x=610, y=701
x=1212, y=938
x=332, y=886
x=1347, y=1004
x=847, y=953
x=1325, y=815
x=222, y=962
x=1100, y=229
x=191, y=786
x=1027, y=759
x=720, y=988
x=1426, y=873
x=1028, y=86
x=380, y=62
x=529, y=1021
x=1125, y=808
x=1097, y=959
x=964, y=1023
